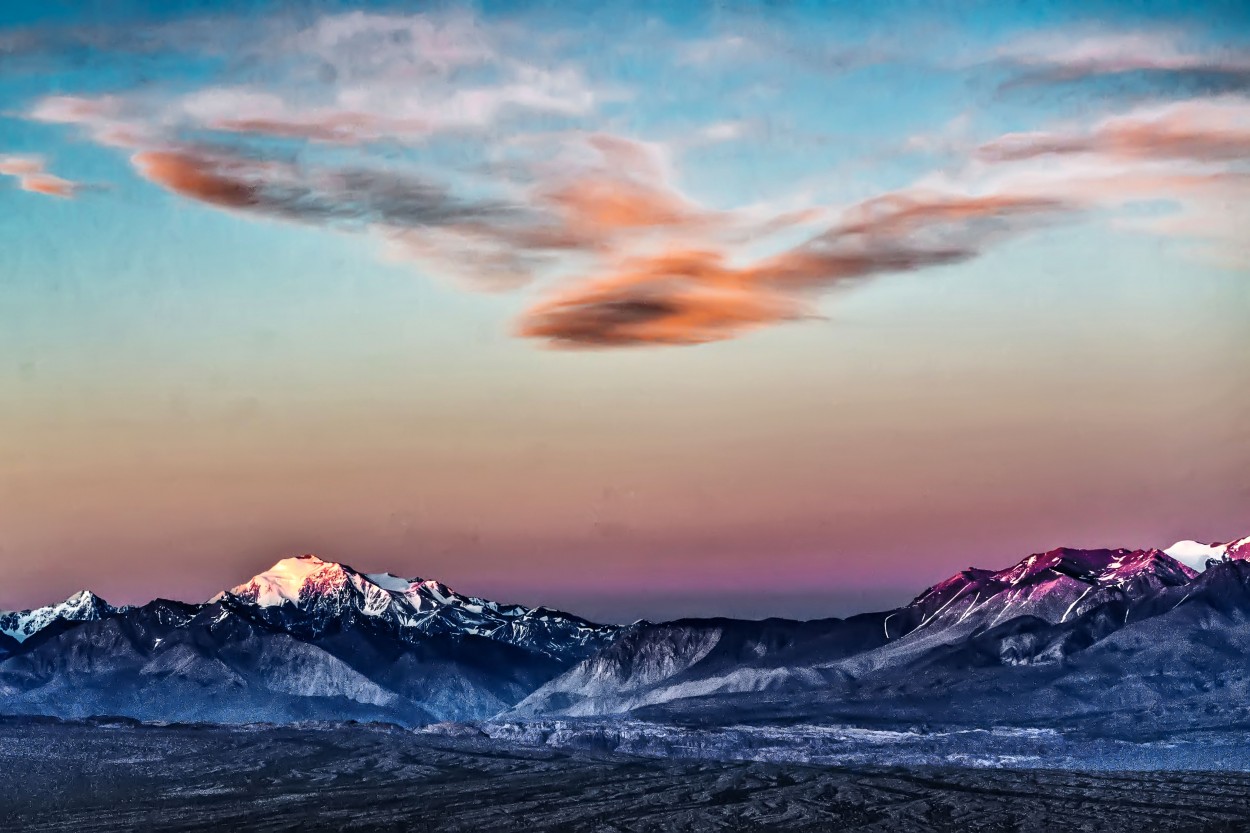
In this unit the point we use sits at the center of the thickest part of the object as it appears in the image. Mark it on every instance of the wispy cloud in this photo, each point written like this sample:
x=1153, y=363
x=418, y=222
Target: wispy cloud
x=1188, y=153
x=484, y=153
x=419, y=217
x=367, y=83
x=318, y=196
x=31, y=175
x=1192, y=155
x=572, y=193
x=697, y=296
x=762, y=44
x=1159, y=58
x=1204, y=130
x=349, y=78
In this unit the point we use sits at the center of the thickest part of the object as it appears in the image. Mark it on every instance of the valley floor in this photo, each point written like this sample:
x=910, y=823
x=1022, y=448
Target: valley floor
x=114, y=776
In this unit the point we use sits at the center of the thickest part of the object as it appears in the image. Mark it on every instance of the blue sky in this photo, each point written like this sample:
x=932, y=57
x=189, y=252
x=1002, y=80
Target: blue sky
x=557, y=299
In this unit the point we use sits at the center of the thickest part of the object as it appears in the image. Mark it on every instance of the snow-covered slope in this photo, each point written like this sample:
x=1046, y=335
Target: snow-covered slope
x=83, y=606
x=1195, y=554
x=312, y=595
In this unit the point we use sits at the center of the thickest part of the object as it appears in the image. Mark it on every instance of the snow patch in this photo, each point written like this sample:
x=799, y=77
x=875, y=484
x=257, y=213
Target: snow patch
x=389, y=582
x=1195, y=554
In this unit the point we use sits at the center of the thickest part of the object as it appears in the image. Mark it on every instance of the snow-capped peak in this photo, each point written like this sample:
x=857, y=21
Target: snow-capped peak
x=314, y=595
x=293, y=580
x=1195, y=554
x=83, y=606
x=303, y=580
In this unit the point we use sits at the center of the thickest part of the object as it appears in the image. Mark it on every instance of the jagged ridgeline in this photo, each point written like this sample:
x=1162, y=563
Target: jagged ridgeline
x=1061, y=633
x=307, y=639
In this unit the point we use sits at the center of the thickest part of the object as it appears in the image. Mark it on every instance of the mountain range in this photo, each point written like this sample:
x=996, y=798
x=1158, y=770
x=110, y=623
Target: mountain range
x=306, y=639
x=1060, y=634
x=1090, y=633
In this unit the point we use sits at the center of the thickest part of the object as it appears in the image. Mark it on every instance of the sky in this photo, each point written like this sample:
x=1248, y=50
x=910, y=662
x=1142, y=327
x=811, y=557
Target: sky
x=634, y=309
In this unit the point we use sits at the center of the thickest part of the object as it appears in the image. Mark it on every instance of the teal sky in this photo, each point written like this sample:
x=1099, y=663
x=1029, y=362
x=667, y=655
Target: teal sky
x=641, y=310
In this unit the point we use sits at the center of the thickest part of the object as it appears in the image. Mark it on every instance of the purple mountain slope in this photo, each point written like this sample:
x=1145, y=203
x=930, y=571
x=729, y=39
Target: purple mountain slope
x=1054, y=586
x=1054, y=596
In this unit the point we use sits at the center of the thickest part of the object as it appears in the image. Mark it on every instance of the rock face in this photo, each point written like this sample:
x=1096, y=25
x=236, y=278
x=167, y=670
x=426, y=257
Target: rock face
x=307, y=639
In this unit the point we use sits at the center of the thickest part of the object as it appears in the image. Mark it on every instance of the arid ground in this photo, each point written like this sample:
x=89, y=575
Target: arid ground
x=113, y=776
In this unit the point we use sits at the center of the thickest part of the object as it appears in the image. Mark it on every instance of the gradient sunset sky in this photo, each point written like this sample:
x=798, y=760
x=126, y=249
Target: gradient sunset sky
x=632, y=309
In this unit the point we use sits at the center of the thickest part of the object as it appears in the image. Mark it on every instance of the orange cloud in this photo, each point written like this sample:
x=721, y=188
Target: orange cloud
x=195, y=177
x=20, y=165
x=685, y=297
x=53, y=186
x=31, y=176
x=613, y=186
x=609, y=203
x=696, y=296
